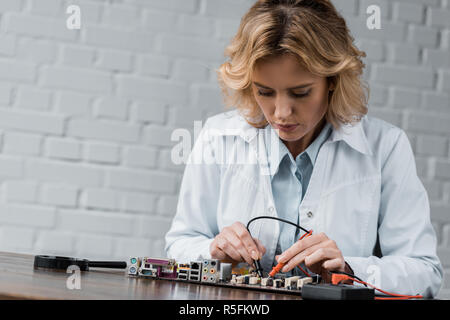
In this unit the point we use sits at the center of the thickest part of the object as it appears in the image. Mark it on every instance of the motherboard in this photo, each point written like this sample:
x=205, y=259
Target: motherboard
x=216, y=273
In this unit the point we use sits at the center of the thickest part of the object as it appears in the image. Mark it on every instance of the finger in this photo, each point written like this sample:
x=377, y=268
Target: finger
x=224, y=245
x=300, y=257
x=261, y=247
x=301, y=245
x=333, y=264
x=227, y=259
x=238, y=246
x=249, y=243
x=217, y=253
x=317, y=265
x=318, y=268
x=321, y=255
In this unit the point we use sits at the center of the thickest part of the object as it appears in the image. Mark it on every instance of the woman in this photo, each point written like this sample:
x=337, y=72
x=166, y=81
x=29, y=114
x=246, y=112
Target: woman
x=351, y=179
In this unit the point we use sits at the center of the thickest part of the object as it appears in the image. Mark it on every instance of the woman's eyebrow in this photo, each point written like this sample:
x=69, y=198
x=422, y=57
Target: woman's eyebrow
x=297, y=87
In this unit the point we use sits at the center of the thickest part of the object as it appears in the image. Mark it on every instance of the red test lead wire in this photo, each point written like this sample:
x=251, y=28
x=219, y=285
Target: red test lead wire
x=280, y=265
x=337, y=278
x=305, y=236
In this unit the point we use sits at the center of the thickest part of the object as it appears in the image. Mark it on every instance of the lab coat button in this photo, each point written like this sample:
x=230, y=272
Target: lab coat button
x=310, y=214
x=271, y=209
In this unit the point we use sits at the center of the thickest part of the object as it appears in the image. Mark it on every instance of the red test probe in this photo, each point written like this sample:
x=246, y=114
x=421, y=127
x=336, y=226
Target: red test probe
x=280, y=265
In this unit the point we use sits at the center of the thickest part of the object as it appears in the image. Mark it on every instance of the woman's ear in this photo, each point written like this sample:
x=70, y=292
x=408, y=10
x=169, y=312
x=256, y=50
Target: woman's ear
x=331, y=83
x=332, y=87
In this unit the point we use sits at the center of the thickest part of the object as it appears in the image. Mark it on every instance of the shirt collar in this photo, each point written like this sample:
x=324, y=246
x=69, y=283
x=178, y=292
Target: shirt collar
x=312, y=150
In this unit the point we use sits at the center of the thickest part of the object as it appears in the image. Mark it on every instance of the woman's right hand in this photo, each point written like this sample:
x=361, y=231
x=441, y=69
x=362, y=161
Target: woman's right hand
x=234, y=244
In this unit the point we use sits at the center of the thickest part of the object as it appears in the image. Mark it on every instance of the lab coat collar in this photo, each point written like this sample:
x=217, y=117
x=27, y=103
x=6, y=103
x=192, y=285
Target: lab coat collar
x=235, y=124
x=354, y=136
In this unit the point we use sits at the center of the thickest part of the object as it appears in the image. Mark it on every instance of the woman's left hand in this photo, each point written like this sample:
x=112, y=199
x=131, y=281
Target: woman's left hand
x=319, y=253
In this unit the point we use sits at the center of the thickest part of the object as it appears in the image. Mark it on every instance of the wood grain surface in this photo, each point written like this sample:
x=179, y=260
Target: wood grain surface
x=18, y=280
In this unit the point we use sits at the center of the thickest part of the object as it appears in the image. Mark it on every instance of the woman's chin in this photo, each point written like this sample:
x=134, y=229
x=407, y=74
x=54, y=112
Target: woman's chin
x=291, y=136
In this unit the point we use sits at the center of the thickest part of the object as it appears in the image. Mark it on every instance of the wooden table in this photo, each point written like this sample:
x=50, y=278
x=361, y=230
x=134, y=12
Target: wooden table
x=18, y=280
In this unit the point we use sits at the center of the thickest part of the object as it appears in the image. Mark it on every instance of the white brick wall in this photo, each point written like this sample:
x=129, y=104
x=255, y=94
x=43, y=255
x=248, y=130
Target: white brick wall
x=86, y=115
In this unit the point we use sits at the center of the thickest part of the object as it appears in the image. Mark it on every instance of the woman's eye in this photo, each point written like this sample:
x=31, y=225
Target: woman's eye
x=301, y=95
x=265, y=94
x=295, y=95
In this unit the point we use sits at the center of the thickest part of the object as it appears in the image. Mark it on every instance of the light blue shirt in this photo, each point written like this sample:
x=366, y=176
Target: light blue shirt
x=364, y=187
x=290, y=181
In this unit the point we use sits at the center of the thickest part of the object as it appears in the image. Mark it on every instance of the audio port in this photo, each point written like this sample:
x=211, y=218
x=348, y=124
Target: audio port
x=205, y=263
x=211, y=278
x=213, y=263
x=205, y=270
x=212, y=271
x=205, y=278
x=132, y=270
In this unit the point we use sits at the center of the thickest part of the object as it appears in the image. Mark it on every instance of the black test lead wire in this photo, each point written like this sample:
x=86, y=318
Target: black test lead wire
x=259, y=270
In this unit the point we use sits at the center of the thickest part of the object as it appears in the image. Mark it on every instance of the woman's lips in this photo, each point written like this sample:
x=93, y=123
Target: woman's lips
x=288, y=128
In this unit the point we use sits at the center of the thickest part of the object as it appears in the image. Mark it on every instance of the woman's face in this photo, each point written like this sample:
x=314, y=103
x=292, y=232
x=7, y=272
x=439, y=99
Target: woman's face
x=289, y=95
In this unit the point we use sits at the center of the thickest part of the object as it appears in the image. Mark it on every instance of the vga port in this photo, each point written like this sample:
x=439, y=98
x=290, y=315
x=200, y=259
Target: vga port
x=147, y=272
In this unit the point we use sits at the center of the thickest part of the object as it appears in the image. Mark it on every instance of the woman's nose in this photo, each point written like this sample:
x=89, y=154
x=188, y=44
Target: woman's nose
x=283, y=108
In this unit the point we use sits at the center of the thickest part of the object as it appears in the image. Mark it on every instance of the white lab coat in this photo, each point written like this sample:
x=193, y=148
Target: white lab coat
x=364, y=184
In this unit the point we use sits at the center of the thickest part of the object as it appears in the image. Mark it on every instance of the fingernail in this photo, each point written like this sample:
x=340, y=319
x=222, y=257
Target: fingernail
x=255, y=255
x=285, y=269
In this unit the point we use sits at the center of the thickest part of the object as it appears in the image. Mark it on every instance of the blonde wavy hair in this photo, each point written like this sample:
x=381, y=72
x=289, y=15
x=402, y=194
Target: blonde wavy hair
x=311, y=30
